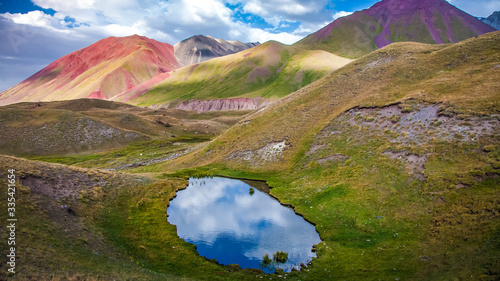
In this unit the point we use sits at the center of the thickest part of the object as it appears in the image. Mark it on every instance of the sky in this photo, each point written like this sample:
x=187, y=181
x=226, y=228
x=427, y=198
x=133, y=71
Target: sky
x=36, y=32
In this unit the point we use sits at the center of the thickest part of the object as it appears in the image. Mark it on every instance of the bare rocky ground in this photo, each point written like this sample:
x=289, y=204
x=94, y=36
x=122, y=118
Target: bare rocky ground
x=416, y=124
x=271, y=152
x=404, y=126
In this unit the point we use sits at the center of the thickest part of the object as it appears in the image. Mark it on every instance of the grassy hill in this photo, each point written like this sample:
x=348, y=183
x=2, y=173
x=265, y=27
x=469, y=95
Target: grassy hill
x=88, y=224
x=463, y=77
x=271, y=70
x=395, y=158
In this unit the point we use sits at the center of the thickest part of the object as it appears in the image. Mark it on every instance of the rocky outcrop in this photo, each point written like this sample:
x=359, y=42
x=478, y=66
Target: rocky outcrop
x=200, y=48
x=223, y=104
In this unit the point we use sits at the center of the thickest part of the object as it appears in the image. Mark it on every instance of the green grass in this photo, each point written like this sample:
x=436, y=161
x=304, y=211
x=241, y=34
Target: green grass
x=352, y=39
x=377, y=219
x=134, y=153
x=280, y=256
x=377, y=222
x=51, y=244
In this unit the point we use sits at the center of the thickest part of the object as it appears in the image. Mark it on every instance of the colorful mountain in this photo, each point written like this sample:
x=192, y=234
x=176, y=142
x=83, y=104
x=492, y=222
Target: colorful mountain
x=388, y=21
x=271, y=70
x=101, y=70
x=200, y=48
x=493, y=20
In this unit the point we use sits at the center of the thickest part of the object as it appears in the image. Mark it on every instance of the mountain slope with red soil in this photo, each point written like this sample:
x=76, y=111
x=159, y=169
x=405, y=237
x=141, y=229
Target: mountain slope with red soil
x=101, y=70
x=201, y=48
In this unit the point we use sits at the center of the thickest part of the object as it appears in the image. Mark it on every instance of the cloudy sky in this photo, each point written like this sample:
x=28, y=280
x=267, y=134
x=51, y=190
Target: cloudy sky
x=36, y=32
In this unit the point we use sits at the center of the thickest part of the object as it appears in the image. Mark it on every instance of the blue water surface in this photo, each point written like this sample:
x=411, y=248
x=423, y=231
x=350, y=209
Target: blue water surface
x=229, y=224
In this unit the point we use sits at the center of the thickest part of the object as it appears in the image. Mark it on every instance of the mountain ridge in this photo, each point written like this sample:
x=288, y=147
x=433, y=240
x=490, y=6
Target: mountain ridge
x=201, y=48
x=388, y=21
x=100, y=70
x=493, y=20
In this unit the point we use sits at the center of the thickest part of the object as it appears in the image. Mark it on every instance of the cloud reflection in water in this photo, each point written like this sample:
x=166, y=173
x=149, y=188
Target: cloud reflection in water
x=227, y=223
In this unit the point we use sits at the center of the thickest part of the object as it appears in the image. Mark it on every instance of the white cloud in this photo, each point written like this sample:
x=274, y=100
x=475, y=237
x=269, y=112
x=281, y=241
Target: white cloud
x=36, y=18
x=254, y=8
x=97, y=12
x=167, y=21
x=341, y=14
x=297, y=9
x=195, y=12
x=287, y=10
x=259, y=35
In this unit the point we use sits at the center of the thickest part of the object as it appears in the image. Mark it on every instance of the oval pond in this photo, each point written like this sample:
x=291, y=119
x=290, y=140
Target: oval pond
x=234, y=225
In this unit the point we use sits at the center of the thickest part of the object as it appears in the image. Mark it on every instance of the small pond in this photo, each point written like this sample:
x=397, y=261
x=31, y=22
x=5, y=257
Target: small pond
x=237, y=223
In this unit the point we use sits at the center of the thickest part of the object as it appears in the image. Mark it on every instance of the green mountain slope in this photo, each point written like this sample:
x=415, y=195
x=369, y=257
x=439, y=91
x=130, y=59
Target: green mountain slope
x=271, y=70
x=463, y=76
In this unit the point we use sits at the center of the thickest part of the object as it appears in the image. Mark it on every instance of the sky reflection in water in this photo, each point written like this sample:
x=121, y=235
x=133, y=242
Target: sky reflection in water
x=227, y=223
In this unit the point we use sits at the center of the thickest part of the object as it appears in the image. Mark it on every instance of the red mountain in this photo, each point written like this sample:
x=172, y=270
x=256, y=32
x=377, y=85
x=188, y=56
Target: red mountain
x=388, y=21
x=101, y=70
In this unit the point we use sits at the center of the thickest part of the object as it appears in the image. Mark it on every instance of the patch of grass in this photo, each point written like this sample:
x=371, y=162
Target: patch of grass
x=280, y=256
x=266, y=260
